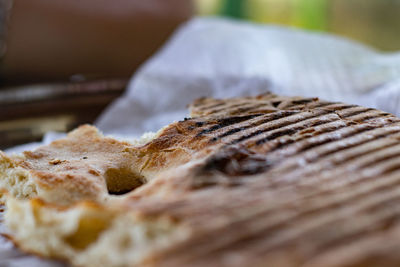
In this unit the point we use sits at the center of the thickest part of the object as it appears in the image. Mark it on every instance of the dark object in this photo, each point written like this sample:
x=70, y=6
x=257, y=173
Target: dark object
x=27, y=112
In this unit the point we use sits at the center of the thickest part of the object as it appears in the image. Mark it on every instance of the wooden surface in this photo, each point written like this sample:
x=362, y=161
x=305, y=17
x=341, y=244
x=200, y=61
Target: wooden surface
x=27, y=112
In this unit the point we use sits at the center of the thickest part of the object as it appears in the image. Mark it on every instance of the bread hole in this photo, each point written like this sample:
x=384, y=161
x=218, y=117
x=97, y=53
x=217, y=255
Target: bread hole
x=123, y=180
x=21, y=178
x=89, y=229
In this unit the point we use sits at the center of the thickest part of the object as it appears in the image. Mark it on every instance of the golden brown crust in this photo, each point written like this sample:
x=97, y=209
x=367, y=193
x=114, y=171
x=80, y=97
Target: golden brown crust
x=266, y=180
x=73, y=168
x=87, y=165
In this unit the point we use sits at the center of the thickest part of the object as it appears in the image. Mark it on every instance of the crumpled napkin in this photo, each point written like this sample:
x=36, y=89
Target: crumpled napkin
x=222, y=58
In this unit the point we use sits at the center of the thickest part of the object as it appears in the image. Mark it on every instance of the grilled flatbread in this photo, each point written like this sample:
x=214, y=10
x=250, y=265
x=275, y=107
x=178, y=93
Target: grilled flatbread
x=256, y=181
x=88, y=165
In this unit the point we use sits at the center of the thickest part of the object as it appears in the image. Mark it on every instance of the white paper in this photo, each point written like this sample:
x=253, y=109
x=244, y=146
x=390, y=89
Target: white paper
x=221, y=58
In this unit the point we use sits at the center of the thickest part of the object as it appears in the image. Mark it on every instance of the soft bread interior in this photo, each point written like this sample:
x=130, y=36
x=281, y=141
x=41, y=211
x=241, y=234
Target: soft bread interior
x=142, y=140
x=88, y=234
x=15, y=180
x=24, y=181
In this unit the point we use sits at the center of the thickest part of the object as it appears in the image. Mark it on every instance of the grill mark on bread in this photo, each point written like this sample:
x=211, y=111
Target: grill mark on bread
x=328, y=180
x=386, y=221
x=262, y=108
x=270, y=161
x=283, y=122
x=289, y=103
x=367, y=180
x=303, y=101
x=350, y=148
x=326, y=138
x=388, y=176
x=329, y=201
x=229, y=107
x=284, y=142
x=333, y=131
x=305, y=229
x=392, y=164
x=378, y=157
x=356, y=164
x=366, y=116
x=304, y=116
x=290, y=127
x=246, y=106
x=352, y=111
x=224, y=122
x=330, y=138
x=273, y=161
x=265, y=225
x=252, y=107
x=313, y=132
x=363, y=142
x=313, y=105
x=235, y=130
x=211, y=106
x=291, y=131
x=222, y=162
x=265, y=119
x=335, y=106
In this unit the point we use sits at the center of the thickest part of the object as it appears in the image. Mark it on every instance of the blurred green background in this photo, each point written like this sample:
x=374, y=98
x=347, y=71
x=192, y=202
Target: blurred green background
x=373, y=22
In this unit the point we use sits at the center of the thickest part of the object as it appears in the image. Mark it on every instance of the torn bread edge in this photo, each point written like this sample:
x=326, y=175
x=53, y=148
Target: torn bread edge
x=89, y=234
x=19, y=181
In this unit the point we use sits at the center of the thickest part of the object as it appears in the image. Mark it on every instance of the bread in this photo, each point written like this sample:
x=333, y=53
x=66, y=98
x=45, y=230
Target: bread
x=256, y=181
x=88, y=165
